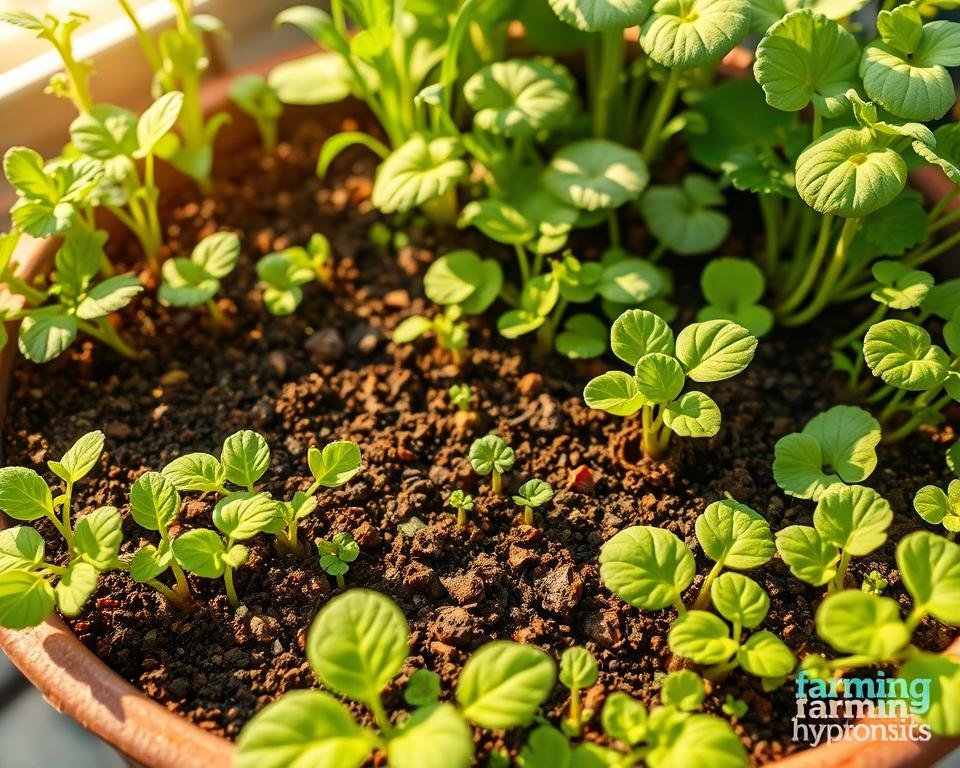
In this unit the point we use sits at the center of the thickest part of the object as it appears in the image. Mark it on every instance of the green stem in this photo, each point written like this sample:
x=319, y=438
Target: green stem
x=228, y=583
x=909, y=426
x=800, y=291
x=923, y=256
x=612, y=51
x=216, y=316
x=380, y=715
x=461, y=517
x=496, y=482
x=770, y=211
x=524, y=262
x=18, y=285
x=613, y=224
x=892, y=406
x=857, y=333
x=341, y=584
x=576, y=709
x=704, y=597
x=528, y=515
x=841, y=576
x=101, y=330
x=651, y=142
x=169, y=595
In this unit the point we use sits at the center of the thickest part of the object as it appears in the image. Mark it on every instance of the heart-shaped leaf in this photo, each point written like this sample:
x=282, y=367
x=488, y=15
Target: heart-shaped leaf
x=583, y=336
x=807, y=555
x=903, y=355
x=595, y=15
x=24, y=495
x=930, y=566
x=639, y=332
x=702, y=637
x=335, y=464
x=416, y=172
x=683, y=689
x=245, y=457
x=659, y=377
x=734, y=535
x=740, y=600
x=766, y=655
x=200, y=551
x=21, y=548
x=682, y=217
x=852, y=518
x=693, y=414
x=196, y=472
x=857, y=622
x=243, y=515
x=680, y=34
x=900, y=286
x=614, y=392
x=646, y=567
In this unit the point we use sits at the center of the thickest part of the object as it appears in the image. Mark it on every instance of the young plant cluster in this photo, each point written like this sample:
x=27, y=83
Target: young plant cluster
x=30, y=585
x=502, y=685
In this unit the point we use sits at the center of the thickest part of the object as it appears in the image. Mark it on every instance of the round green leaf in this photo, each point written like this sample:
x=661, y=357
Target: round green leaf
x=807, y=57
x=201, y=552
x=358, y=643
x=680, y=34
x=847, y=172
x=24, y=495
x=26, y=599
x=715, y=350
x=596, y=174
x=942, y=675
x=98, y=536
x=683, y=689
x=702, y=637
x=498, y=220
x=320, y=78
x=105, y=132
x=418, y=171
x=304, y=728
x=615, y=392
x=217, y=254
x=740, y=600
x=930, y=566
x=583, y=336
x=638, y=332
x=698, y=740
x=519, y=97
x=857, y=622
x=433, y=737
x=646, y=567
x=503, y=684
x=681, y=221
x=461, y=277
x=578, y=668
x=186, y=284
x=932, y=504
x=798, y=466
x=245, y=457
x=734, y=535
x=624, y=718
x=150, y=561
x=630, y=281
x=46, y=333
x=75, y=587
x=241, y=516
x=765, y=655
x=852, y=518
x=807, y=555
x=917, y=85
x=594, y=15
x=731, y=283
x=336, y=463
x=693, y=414
x=903, y=355
x=659, y=377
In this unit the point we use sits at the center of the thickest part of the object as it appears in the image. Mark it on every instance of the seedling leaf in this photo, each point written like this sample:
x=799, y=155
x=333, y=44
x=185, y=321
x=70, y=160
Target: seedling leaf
x=335, y=464
x=647, y=567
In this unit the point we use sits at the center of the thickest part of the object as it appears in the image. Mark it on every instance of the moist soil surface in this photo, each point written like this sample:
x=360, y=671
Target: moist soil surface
x=330, y=372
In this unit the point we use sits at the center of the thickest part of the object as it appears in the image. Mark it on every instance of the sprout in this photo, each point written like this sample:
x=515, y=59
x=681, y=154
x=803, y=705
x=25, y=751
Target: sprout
x=195, y=281
x=532, y=494
x=257, y=98
x=336, y=554
x=492, y=456
x=284, y=273
x=463, y=503
x=939, y=508
x=461, y=396
x=873, y=583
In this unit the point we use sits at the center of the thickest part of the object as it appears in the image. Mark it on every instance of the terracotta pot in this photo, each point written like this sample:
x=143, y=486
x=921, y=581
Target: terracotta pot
x=75, y=681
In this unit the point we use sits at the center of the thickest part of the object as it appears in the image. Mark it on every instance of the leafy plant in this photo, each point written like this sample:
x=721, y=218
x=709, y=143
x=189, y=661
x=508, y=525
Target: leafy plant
x=684, y=217
x=732, y=289
x=336, y=554
x=190, y=282
x=501, y=686
x=284, y=273
x=939, y=508
x=703, y=352
x=849, y=521
x=532, y=494
x=258, y=99
x=30, y=586
x=461, y=396
x=869, y=630
x=836, y=446
x=463, y=284
x=874, y=583
x=650, y=568
x=492, y=456
x=463, y=503
x=578, y=670
x=73, y=300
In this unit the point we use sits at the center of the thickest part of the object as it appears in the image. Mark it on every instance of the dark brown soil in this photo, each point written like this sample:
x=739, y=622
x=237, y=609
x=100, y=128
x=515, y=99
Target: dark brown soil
x=459, y=589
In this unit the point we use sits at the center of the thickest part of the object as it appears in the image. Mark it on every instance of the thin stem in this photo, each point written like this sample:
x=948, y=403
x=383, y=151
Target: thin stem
x=380, y=715
x=857, y=333
x=169, y=595
x=651, y=142
x=341, y=584
x=65, y=508
x=801, y=290
x=216, y=316
x=101, y=330
x=704, y=597
x=523, y=262
x=496, y=482
x=528, y=516
x=841, y=576
x=228, y=583
x=770, y=211
x=613, y=224
x=612, y=50
x=18, y=285
x=923, y=256
x=576, y=708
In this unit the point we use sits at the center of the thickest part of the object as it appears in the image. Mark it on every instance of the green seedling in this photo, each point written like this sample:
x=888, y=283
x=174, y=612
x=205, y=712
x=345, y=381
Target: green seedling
x=214, y=554
x=502, y=685
x=733, y=707
x=463, y=503
x=650, y=568
x=684, y=217
x=578, y=670
x=836, y=446
x=155, y=505
x=492, y=456
x=684, y=690
x=849, y=521
x=284, y=273
x=256, y=98
x=195, y=281
x=73, y=302
x=464, y=285
x=30, y=586
x=873, y=583
x=532, y=494
x=461, y=397
x=705, y=639
x=939, y=508
x=703, y=352
x=336, y=554
x=869, y=630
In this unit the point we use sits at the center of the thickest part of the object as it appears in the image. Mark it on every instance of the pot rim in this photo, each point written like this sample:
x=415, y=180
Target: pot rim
x=75, y=681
